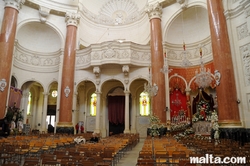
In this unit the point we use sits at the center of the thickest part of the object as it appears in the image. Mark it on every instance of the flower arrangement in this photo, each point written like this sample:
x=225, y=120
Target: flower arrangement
x=155, y=126
x=215, y=125
x=180, y=126
x=203, y=111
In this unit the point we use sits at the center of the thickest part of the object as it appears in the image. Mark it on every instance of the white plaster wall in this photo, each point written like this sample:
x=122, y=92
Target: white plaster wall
x=92, y=33
x=1, y=12
x=56, y=26
x=239, y=40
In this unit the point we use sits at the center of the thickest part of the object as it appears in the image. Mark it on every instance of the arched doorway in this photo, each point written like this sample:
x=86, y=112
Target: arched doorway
x=116, y=111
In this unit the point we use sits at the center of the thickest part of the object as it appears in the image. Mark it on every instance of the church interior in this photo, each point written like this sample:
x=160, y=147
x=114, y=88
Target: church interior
x=136, y=68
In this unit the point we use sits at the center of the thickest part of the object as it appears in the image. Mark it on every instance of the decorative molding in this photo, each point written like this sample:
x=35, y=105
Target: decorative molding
x=217, y=77
x=154, y=11
x=3, y=84
x=125, y=69
x=34, y=61
x=72, y=19
x=44, y=12
x=183, y=3
x=247, y=11
x=16, y=4
x=106, y=53
x=96, y=71
x=245, y=52
x=67, y=91
x=120, y=12
x=242, y=31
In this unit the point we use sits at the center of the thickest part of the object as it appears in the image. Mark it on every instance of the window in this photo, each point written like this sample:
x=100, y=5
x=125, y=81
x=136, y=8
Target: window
x=93, y=105
x=54, y=93
x=144, y=104
x=29, y=103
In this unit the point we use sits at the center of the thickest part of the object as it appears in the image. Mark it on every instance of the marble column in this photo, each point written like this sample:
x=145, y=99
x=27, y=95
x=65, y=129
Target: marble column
x=44, y=113
x=25, y=101
x=228, y=111
x=157, y=61
x=34, y=112
x=189, y=115
x=104, y=118
x=68, y=76
x=7, y=40
x=98, y=107
x=126, y=130
x=134, y=115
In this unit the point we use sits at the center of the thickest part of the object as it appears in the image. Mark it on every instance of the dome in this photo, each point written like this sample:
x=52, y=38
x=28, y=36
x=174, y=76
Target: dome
x=189, y=26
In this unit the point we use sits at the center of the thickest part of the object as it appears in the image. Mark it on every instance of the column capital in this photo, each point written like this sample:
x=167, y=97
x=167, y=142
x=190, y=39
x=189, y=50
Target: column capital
x=126, y=92
x=98, y=92
x=154, y=11
x=46, y=94
x=16, y=4
x=72, y=19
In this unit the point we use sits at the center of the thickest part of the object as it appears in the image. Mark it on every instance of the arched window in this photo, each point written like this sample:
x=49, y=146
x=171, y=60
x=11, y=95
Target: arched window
x=144, y=104
x=93, y=105
x=29, y=103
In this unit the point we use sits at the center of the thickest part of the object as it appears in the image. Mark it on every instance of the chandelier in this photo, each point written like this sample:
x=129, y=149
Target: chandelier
x=185, y=62
x=177, y=101
x=149, y=88
x=165, y=68
x=203, y=78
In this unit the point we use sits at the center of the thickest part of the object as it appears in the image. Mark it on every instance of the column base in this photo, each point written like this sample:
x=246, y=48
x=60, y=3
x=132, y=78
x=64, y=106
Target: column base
x=97, y=131
x=65, y=130
x=133, y=131
x=126, y=131
x=230, y=124
x=241, y=135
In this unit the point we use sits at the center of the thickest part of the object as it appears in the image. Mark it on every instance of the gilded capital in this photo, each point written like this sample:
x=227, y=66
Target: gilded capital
x=16, y=4
x=72, y=19
x=154, y=11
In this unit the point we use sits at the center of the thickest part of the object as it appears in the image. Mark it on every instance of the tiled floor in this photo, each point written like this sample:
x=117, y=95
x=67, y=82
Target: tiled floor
x=130, y=158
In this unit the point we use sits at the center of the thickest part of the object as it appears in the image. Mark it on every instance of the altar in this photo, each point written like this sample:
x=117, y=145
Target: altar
x=202, y=127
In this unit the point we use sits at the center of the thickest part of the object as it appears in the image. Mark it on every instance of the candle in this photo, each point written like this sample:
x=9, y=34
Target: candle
x=184, y=46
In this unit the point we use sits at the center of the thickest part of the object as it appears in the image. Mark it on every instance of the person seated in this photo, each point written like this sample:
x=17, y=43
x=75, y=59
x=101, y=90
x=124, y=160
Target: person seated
x=94, y=138
x=79, y=140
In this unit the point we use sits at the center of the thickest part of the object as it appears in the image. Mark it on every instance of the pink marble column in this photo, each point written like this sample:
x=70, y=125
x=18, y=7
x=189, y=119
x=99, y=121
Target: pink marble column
x=7, y=39
x=228, y=111
x=68, y=72
x=157, y=61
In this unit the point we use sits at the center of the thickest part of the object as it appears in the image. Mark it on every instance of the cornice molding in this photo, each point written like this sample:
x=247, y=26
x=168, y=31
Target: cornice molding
x=36, y=62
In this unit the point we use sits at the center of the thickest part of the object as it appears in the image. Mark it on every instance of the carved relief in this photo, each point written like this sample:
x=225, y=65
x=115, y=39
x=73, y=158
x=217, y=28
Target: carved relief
x=17, y=4
x=135, y=55
x=72, y=18
x=248, y=101
x=245, y=54
x=234, y=1
x=3, y=84
x=109, y=53
x=37, y=60
x=154, y=11
x=242, y=31
x=146, y=56
x=116, y=13
x=48, y=62
x=96, y=56
x=124, y=54
x=67, y=91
